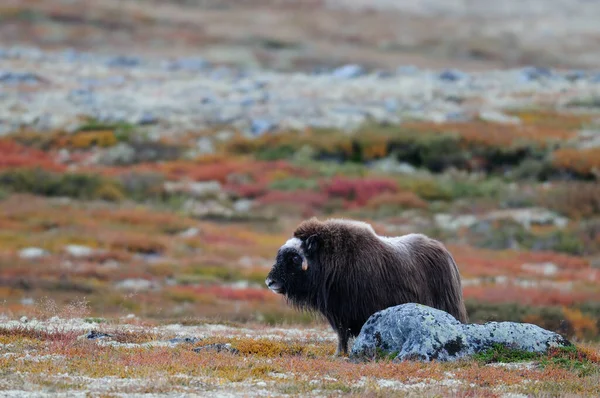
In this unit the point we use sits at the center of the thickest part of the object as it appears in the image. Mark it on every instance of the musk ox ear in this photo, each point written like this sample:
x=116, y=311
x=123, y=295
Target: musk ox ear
x=312, y=244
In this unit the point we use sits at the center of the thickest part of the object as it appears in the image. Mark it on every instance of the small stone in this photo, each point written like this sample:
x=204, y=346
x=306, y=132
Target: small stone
x=27, y=301
x=205, y=146
x=134, y=284
x=218, y=347
x=243, y=205
x=348, y=71
x=498, y=117
x=93, y=335
x=532, y=73
x=260, y=126
x=186, y=340
x=123, y=61
x=407, y=70
x=32, y=253
x=79, y=250
x=452, y=75
x=13, y=78
x=188, y=64
x=189, y=233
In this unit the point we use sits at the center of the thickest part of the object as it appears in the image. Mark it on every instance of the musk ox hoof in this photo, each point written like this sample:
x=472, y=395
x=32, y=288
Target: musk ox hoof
x=418, y=332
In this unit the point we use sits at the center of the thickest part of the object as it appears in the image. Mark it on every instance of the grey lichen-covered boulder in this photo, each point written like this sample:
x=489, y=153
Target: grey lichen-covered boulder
x=418, y=332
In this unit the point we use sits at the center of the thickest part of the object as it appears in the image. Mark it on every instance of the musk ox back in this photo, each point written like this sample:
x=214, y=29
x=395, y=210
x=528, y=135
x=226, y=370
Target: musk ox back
x=344, y=270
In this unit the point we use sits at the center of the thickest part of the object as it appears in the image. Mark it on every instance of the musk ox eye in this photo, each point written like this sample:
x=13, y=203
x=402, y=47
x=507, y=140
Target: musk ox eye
x=297, y=259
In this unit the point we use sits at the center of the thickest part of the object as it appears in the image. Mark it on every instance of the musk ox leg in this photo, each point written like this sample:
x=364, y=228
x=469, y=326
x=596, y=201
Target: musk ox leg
x=342, y=347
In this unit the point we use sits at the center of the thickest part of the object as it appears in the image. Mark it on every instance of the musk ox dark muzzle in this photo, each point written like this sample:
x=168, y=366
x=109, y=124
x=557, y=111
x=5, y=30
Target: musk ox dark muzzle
x=273, y=285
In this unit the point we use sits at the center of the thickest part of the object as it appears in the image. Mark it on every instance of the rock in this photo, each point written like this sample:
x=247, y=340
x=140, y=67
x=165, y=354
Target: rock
x=218, y=347
x=261, y=126
x=135, y=284
x=79, y=250
x=531, y=73
x=391, y=165
x=243, y=205
x=93, y=335
x=348, y=71
x=205, y=146
x=27, y=301
x=418, y=332
x=530, y=216
x=201, y=189
x=407, y=70
x=121, y=154
x=32, y=253
x=190, y=232
x=450, y=222
x=546, y=268
x=498, y=117
x=123, y=61
x=179, y=340
x=452, y=75
x=146, y=118
x=188, y=64
x=9, y=77
x=576, y=74
x=391, y=105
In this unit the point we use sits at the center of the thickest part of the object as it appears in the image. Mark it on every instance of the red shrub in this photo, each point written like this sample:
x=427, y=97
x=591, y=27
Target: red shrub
x=305, y=197
x=13, y=155
x=305, y=202
x=358, y=191
x=249, y=191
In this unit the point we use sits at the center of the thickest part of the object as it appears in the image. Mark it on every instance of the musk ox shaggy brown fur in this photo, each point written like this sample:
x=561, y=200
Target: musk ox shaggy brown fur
x=344, y=270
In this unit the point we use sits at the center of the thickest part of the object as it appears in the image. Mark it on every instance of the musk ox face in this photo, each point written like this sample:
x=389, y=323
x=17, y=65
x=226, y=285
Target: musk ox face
x=290, y=275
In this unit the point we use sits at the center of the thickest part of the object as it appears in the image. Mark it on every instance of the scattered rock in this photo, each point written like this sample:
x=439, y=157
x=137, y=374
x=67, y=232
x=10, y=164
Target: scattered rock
x=348, y=71
x=260, y=126
x=546, y=268
x=79, y=250
x=135, y=284
x=13, y=78
x=93, y=335
x=200, y=190
x=123, y=61
x=418, y=332
x=531, y=73
x=218, y=347
x=186, y=340
x=190, y=232
x=31, y=253
x=27, y=301
x=498, y=117
x=450, y=222
x=452, y=75
x=205, y=146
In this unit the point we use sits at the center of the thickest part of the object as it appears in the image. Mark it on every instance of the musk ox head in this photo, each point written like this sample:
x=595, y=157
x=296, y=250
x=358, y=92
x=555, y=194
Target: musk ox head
x=291, y=273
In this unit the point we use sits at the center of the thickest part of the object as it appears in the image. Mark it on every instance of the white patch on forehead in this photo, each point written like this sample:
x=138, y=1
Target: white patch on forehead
x=294, y=243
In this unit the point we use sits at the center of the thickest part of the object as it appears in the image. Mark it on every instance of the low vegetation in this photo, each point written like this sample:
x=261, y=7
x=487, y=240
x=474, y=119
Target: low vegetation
x=153, y=233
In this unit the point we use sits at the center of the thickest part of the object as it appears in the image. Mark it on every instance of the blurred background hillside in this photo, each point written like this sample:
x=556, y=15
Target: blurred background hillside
x=155, y=154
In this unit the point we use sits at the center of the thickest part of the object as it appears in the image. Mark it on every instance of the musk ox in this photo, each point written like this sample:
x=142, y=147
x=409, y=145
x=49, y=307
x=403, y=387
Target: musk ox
x=344, y=270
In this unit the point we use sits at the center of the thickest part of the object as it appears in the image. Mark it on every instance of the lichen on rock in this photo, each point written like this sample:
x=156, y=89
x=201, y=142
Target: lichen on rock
x=418, y=332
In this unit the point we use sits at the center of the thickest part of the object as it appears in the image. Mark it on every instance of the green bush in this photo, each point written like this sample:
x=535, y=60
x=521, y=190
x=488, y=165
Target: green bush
x=275, y=153
x=73, y=185
x=294, y=184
